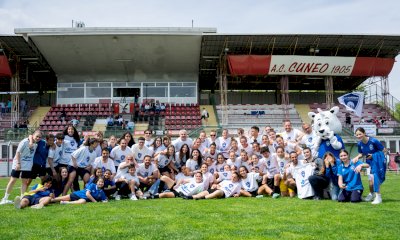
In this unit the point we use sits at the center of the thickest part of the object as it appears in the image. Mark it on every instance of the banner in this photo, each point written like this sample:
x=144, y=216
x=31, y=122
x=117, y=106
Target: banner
x=370, y=129
x=353, y=102
x=309, y=65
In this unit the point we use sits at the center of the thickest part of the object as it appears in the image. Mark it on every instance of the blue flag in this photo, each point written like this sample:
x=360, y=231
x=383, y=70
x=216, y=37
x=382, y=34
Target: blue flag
x=353, y=102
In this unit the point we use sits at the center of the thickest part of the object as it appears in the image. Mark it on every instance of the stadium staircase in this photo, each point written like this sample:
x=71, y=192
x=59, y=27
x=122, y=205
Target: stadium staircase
x=212, y=120
x=303, y=110
x=38, y=116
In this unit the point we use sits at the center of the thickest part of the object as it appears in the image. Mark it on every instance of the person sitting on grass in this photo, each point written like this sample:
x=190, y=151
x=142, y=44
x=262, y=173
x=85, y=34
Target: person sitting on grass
x=92, y=193
x=225, y=189
x=38, y=197
x=185, y=188
x=109, y=185
x=98, y=172
x=127, y=182
x=250, y=183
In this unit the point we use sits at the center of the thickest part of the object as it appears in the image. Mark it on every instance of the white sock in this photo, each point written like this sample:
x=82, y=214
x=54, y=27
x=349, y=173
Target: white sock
x=6, y=196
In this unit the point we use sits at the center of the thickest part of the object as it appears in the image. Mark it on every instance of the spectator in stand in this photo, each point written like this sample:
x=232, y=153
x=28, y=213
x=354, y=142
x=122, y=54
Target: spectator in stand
x=2, y=108
x=376, y=122
x=130, y=125
x=63, y=115
x=9, y=105
x=348, y=120
x=22, y=106
x=157, y=107
x=162, y=107
x=383, y=120
x=110, y=121
x=146, y=107
x=362, y=120
x=120, y=120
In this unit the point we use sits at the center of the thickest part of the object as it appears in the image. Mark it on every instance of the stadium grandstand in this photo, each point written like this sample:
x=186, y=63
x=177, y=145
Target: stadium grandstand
x=162, y=78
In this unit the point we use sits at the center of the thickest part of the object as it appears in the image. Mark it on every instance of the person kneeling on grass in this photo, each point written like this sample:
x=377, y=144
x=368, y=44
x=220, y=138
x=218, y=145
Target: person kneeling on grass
x=38, y=197
x=185, y=188
x=350, y=178
x=127, y=183
x=92, y=193
x=225, y=189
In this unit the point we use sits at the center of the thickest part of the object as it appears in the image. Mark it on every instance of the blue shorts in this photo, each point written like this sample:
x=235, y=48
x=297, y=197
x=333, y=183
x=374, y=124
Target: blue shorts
x=74, y=197
x=32, y=199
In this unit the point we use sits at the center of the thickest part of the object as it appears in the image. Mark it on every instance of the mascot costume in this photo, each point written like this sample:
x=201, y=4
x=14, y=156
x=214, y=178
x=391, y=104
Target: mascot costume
x=327, y=126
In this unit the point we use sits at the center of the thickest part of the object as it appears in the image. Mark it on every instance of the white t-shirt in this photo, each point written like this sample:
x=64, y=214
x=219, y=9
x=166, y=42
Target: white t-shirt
x=163, y=160
x=180, y=176
x=208, y=179
x=281, y=163
x=224, y=176
x=26, y=155
x=301, y=174
x=192, y=165
x=237, y=162
x=140, y=153
x=98, y=163
x=219, y=167
x=74, y=144
x=191, y=188
x=178, y=143
x=311, y=141
x=230, y=188
x=148, y=143
x=208, y=154
x=271, y=166
x=127, y=176
x=146, y=172
x=248, y=149
x=63, y=153
x=212, y=169
x=291, y=136
x=224, y=146
x=84, y=157
x=118, y=155
x=250, y=184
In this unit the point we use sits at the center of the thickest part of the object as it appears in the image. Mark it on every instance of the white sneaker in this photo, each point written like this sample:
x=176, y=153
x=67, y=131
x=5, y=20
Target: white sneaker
x=17, y=202
x=5, y=201
x=377, y=200
x=64, y=202
x=276, y=195
x=259, y=196
x=133, y=197
x=115, y=194
x=118, y=197
x=369, y=197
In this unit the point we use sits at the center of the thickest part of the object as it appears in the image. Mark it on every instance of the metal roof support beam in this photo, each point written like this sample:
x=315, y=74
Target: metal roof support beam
x=385, y=94
x=223, y=88
x=15, y=98
x=285, y=94
x=329, y=91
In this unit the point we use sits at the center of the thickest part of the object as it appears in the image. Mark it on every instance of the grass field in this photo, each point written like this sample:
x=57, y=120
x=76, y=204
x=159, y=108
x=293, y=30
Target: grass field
x=235, y=218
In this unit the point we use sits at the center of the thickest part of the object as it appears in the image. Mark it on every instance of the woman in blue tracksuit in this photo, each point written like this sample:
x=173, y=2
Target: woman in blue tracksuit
x=373, y=151
x=350, y=178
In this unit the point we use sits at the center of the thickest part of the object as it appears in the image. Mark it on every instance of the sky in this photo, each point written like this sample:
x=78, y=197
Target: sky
x=228, y=16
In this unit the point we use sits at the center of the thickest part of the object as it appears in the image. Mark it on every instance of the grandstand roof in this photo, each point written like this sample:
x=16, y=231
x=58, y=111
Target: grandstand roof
x=108, y=51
